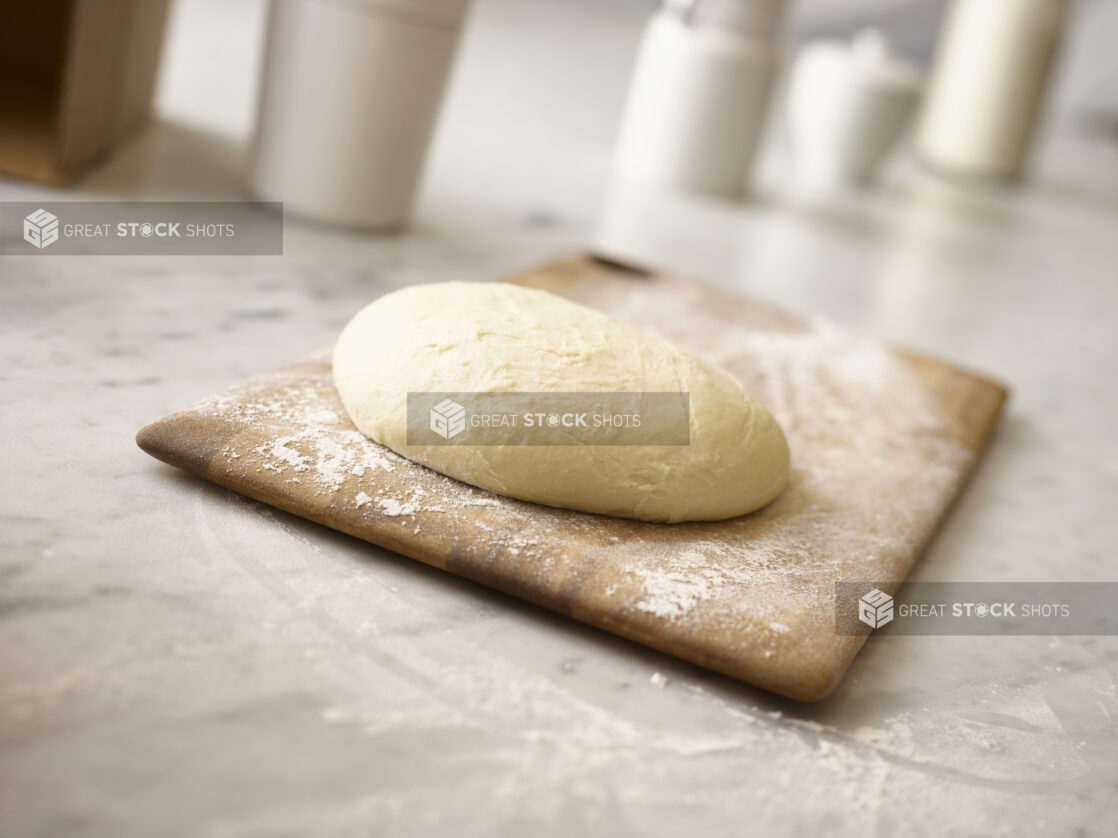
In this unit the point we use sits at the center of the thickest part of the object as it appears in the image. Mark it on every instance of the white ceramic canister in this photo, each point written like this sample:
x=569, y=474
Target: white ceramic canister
x=847, y=108
x=699, y=95
x=349, y=98
x=987, y=89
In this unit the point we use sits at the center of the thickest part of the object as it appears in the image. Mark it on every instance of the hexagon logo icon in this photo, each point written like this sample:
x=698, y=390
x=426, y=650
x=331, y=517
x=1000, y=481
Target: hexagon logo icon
x=40, y=228
x=448, y=419
x=875, y=609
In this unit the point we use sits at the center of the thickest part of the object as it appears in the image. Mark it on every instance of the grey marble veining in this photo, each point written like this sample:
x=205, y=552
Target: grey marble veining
x=178, y=661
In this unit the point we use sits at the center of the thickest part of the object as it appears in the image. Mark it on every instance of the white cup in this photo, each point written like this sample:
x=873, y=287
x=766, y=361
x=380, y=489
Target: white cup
x=350, y=94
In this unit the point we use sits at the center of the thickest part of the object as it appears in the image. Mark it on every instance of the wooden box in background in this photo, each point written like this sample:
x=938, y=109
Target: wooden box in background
x=76, y=77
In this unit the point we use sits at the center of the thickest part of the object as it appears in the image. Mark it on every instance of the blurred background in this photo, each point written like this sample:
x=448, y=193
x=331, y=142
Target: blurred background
x=178, y=660
x=550, y=79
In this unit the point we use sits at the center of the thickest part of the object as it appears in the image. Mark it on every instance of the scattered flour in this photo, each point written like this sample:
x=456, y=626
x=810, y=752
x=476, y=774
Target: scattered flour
x=393, y=507
x=672, y=593
x=302, y=435
x=874, y=464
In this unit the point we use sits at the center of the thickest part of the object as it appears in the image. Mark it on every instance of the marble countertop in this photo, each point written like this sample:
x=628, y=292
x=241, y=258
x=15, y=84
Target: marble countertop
x=179, y=661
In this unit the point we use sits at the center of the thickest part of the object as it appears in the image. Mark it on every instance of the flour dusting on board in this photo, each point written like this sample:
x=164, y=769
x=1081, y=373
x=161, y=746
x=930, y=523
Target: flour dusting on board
x=673, y=588
x=875, y=462
x=873, y=465
x=315, y=445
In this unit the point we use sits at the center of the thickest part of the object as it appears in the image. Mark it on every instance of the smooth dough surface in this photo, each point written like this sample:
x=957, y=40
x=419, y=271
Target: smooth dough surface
x=495, y=337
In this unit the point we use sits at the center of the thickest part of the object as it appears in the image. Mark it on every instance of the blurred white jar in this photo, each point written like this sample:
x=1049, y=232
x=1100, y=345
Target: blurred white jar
x=699, y=95
x=349, y=98
x=848, y=105
x=987, y=89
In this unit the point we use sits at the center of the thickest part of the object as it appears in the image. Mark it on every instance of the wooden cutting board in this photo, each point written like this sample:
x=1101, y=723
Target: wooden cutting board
x=881, y=442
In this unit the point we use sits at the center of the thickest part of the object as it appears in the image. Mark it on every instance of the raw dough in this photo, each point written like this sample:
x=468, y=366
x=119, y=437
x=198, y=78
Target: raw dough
x=495, y=337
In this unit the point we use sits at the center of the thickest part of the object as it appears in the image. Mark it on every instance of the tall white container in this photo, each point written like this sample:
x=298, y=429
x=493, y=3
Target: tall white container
x=349, y=97
x=987, y=89
x=700, y=94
